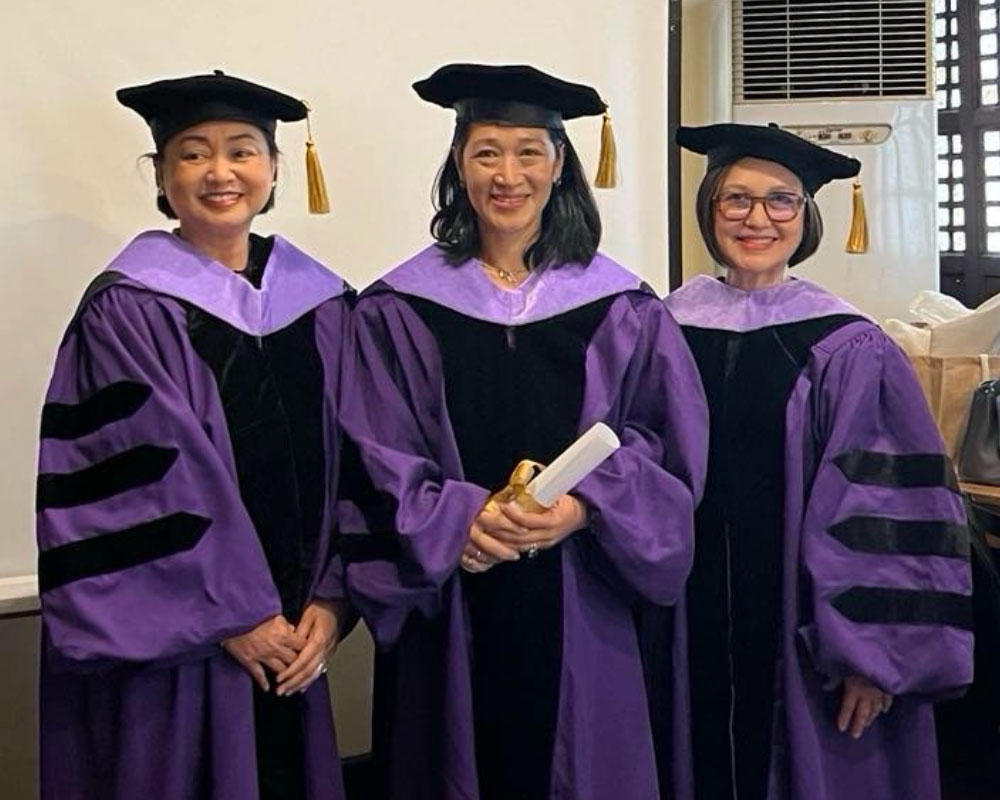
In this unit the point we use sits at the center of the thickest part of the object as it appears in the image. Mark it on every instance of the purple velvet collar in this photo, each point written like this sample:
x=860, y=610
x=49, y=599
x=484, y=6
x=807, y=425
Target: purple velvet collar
x=294, y=283
x=546, y=293
x=705, y=302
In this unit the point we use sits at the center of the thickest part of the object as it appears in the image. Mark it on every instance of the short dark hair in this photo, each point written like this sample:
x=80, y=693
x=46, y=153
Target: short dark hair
x=812, y=221
x=161, y=199
x=571, y=223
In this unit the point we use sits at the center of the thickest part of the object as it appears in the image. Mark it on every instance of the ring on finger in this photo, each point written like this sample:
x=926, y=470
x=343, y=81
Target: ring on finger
x=531, y=551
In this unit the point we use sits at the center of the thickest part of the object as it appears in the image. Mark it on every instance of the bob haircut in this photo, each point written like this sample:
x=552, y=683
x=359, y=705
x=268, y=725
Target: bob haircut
x=812, y=222
x=161, y=199
x=571, y=224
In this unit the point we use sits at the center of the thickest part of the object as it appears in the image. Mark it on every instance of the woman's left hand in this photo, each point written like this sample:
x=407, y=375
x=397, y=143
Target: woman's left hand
x=863, y=702
x=320, y=626
x=540, y=530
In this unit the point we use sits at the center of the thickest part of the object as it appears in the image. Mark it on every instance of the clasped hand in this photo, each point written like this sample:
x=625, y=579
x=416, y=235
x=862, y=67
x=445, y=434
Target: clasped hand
x=294, y=654
x=505, y=532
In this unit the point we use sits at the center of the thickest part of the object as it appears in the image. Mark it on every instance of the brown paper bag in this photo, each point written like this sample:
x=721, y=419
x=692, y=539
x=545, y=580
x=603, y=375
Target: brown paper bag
x=948, y=383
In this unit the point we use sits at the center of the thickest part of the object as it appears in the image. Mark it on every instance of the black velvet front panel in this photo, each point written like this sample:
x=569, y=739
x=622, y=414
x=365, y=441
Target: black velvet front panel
x=514, y=393
x=272, y=394
x=734, y=593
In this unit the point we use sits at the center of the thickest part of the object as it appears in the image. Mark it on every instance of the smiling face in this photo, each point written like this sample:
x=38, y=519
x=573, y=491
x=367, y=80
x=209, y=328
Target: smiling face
x=217, y=176
x=508, y=174
x=757, y=244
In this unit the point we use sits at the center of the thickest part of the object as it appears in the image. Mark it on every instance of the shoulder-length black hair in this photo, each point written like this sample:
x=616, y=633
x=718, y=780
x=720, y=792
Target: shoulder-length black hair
x=812, y=222
x=571, y=223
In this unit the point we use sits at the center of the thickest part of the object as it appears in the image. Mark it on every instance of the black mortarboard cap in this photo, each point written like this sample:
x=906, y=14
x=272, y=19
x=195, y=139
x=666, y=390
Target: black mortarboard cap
x=170, y=106
x=515, y=94
x=729, y=142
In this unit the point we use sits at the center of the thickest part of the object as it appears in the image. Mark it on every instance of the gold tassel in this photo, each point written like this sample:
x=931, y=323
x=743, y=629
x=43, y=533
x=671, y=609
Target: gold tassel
x=857, y=239
x=607, y=177
x=319, y=202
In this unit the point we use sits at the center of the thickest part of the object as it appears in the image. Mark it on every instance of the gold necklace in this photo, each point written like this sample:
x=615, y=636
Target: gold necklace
x=510, y=278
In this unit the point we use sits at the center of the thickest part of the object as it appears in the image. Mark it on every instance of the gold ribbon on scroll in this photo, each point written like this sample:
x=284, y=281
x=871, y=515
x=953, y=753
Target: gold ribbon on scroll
x=516, y=489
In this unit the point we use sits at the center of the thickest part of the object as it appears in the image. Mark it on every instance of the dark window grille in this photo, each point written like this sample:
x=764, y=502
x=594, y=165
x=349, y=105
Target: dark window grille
x=967, y=89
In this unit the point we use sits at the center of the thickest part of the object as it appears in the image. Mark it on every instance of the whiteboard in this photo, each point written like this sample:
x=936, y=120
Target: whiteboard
x=74, y=191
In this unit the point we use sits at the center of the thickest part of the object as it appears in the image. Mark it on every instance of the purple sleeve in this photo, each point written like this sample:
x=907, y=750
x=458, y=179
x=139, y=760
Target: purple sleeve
x=146, y=551
x=643, y=382
x=393, y=410
x=331, y=581
x=884, y=543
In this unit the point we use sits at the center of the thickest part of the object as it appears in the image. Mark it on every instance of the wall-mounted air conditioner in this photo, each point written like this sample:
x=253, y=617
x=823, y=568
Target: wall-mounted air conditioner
x=854, y=75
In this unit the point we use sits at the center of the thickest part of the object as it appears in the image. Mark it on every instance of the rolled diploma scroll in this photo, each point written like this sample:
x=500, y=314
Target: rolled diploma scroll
x=574, y=464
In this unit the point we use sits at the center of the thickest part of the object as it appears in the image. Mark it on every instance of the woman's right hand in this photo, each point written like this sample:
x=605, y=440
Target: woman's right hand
x=273, y=644
x=483, y=550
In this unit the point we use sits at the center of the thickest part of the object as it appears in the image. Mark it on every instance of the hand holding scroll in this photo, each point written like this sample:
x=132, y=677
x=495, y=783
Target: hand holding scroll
x=483, y=549
x=540, y=530
x=507, y=531
x=535, y=512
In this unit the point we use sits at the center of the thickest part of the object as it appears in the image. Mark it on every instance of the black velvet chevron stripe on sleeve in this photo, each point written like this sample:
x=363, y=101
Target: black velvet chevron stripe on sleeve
x=884, y=606
x=131, y=469
x=113, y=403
x=118, y=550
x=910, y=471
x=882, y=535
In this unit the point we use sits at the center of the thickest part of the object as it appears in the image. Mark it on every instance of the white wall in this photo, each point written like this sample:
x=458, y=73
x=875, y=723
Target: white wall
x=705, y=98
x=72, y=193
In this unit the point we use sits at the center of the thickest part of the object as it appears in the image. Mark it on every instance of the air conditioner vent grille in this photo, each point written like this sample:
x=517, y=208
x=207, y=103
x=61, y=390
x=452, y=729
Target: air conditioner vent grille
x=830, y=49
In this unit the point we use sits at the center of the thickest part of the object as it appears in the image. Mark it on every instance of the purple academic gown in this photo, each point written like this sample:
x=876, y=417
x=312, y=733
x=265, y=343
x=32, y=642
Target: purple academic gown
x=850, y=559
x=148, y=555
x=435, y=346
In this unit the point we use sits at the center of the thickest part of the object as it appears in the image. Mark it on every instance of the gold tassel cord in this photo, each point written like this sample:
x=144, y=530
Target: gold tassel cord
x=857, y=239
x=607, y=174
x=319, y=201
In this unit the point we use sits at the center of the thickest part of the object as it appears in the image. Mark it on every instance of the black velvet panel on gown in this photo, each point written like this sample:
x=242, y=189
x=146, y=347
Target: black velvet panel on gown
x=272, y=395
x=514, y=393
x=734, y=593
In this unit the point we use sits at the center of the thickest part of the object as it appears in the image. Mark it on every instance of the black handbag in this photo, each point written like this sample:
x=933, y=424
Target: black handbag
x=979, y=455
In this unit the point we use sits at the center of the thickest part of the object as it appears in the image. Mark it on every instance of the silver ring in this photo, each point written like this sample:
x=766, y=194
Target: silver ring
x=532, y=550
x=479, y=555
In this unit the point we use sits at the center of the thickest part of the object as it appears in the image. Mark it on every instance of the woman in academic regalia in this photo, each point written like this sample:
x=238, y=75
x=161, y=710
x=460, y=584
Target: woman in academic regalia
x=188, y=586
x=513, y=667
x=829, y=599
